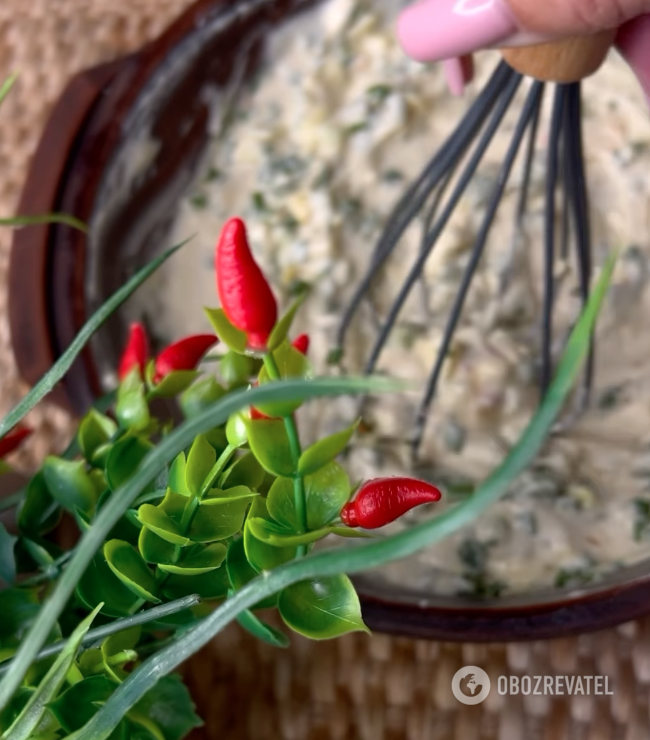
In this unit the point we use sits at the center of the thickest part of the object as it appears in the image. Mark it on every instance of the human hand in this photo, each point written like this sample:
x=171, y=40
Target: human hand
x=437, y=30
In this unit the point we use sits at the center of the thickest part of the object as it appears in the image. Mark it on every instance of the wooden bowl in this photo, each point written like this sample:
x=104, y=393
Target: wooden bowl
x=83, y=166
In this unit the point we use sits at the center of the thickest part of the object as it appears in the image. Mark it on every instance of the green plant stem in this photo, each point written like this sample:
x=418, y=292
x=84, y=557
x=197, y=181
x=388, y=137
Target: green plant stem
x=122, y=498
x=296, y=451
x=100, y=633
x=50, y=571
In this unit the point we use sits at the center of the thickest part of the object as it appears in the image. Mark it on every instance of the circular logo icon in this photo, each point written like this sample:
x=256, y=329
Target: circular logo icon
x=470, y=685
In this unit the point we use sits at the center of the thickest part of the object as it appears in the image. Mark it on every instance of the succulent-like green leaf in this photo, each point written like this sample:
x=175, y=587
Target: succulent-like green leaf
x=290, y=363
x=236, y=369
x=282, y=328
x=124, y=458
x=74, y=707
x=240, y=571
x=95, y=430
x=325, y=450
x=132, y=409
x=130, y=567
x=174, y=383
x=197, y=560
x=270, y=445
x=232, y=337
x=246, y=471
x=212, y=585
x=29, y=718
x=261, y=555
x=200, y=395
x=69, y=484
x=200, y=462
x=39, y=512
x=99, y=584
x=236, y=430
x=219, y=497
x=177, y=478
x=160, y=523
x=322, y=608
x=273, y=534
x=170, y=706
x=7, y=557
x=155, y=549
x=119, y=649
x=218, y=521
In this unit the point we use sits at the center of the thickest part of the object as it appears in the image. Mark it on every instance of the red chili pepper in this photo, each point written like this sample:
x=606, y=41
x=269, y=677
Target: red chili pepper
x=182, y=355
x=383, y=500
x=301, y=343
x=13, y=439
x=245, y=294
x=136, y=351
x=257, y=415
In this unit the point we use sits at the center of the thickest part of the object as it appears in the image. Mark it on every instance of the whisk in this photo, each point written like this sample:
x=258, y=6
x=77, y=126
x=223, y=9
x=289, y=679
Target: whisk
x=564, y=64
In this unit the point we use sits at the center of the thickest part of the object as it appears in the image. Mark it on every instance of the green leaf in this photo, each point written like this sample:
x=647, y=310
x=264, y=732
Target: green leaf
x=19, y=608
x=262, y=631
x=200, y=462
x=174, y=383
x=69, y=484
x=325, y=450
x=129, y=566
x=217, y=521
x=322, y=608
x=132, y=409
x=246, y=471
x=273, y=534
x=240, y=571
x=197, y=560
x=269, y=443
x=155, y=549
x=28, y=720
x=124, y=459
x=39, y=513
x=261, y=555
x=326, y=491
x=200, y=395
x=170, y=706
x=236, y=369
x=7, y=557
x=282, y=328
x=95, y=430
x=160, y=523
x=212, y=585
x=219, y=497
x=44, y=218
x=63, y=364
x=233, y=338
x=121, y=500
x=290, y=364
x=236, y=431
x=74, y=707
x=99, y=585
x=177, y=476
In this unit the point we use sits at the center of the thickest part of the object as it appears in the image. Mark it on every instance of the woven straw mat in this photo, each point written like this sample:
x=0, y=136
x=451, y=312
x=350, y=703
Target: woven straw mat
x=370, y=688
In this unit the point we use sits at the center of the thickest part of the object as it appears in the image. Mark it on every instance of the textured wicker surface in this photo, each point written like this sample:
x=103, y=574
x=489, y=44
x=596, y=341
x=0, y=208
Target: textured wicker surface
x=377, y=688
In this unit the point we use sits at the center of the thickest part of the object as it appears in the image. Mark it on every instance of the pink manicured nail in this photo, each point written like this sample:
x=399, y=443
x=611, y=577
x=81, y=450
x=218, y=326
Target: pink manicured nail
x=633, y=42
x=442, y=29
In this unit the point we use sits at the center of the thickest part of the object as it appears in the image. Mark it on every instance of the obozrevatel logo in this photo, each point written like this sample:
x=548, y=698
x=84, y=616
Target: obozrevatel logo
x=470, y=685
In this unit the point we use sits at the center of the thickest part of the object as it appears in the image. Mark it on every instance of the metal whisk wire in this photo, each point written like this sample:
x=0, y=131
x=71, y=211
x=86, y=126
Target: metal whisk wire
x=424, y=199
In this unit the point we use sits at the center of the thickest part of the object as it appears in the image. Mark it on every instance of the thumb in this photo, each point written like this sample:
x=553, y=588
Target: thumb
x=440, y=29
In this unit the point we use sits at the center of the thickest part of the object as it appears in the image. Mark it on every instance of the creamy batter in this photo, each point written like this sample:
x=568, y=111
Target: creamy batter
x=320, y=148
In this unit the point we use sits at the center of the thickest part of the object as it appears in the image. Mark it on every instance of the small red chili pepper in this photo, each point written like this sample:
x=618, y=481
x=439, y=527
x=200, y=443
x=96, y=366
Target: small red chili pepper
x=136, y=351
x=182, y=355
x=383, y=500
x=245, y=294
x=301, y=343
x=13, y=439
x=257, y=415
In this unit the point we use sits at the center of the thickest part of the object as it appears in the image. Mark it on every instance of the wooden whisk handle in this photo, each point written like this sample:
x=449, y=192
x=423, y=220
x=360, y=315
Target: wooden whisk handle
x=569, y=60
